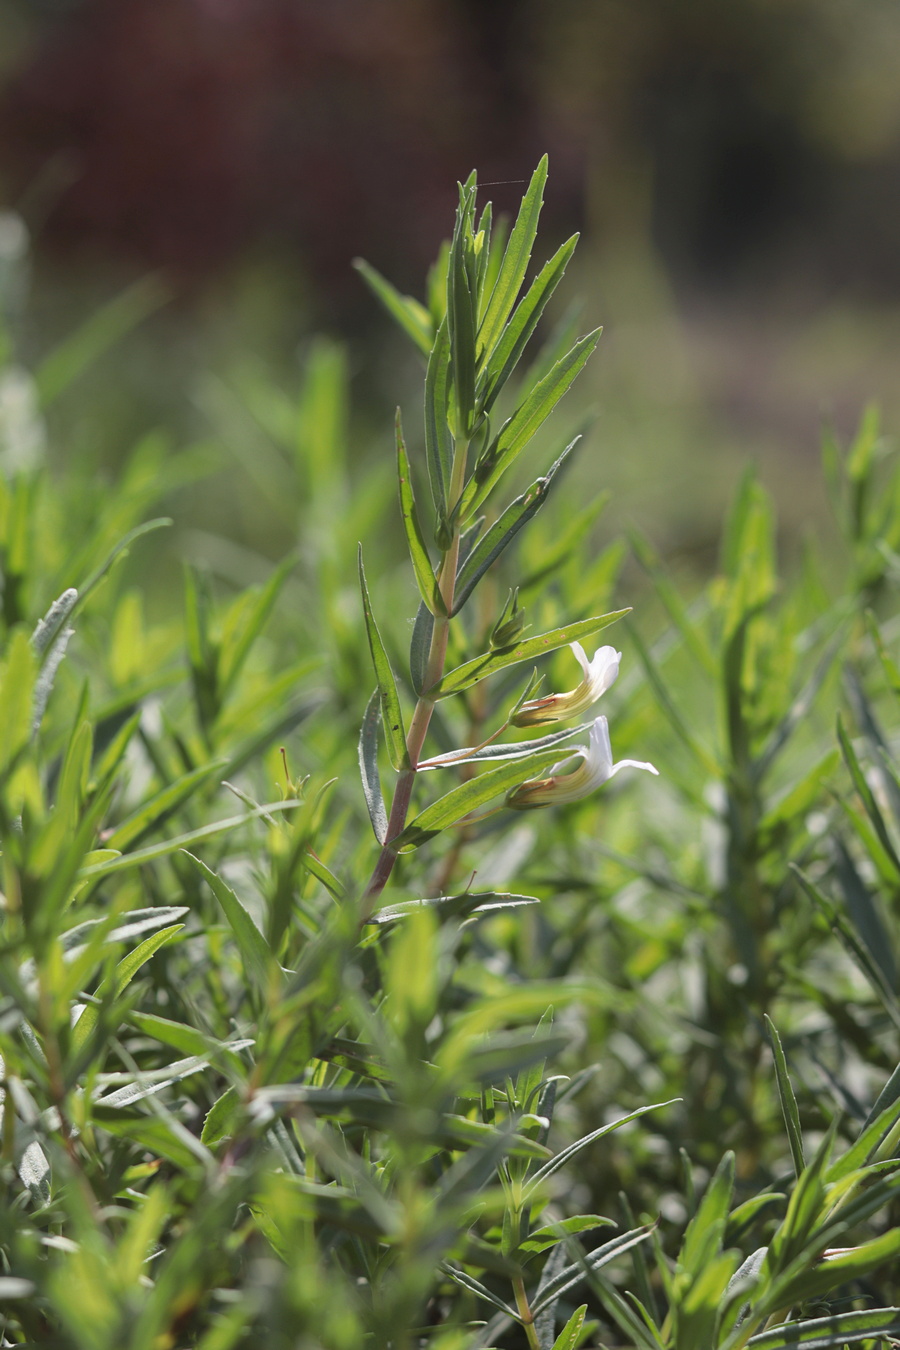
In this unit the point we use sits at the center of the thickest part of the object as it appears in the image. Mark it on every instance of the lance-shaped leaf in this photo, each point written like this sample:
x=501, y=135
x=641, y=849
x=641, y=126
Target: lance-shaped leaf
x=858, y=950
x=394, y=733
x=503, y=531
x=461, y=309
x=420, y=647
x=506, y=354
x=528, y=650
x=459, y=906
x=866, y=794
x=412, y=316
x=121, y=977
x=161, y=806
x=519, y=750
x=515, y=433
x=447, y=810
x=368, y=767
x=256, y=957
x=564, y=1156
x=824, y=1332
x=578, y=1270
x=515, y=262
x=415, y=539
x=438, y=440
x=476, y=1287
x=788, y=1100
x=162, y=849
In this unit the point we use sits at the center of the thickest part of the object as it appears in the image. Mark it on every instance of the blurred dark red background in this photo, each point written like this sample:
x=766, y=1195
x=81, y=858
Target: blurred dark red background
x=735, y=168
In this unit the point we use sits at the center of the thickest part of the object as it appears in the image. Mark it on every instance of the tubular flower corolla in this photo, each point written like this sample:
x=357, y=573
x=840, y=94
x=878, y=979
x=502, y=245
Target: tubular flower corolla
x=598, y=674
x=595, y=768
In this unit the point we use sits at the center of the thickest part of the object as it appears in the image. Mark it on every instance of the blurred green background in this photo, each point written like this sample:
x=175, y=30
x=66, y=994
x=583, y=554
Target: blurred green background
x=734, y=169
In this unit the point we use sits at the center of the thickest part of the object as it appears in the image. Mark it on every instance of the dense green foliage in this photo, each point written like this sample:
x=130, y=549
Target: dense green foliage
x=621, y=1070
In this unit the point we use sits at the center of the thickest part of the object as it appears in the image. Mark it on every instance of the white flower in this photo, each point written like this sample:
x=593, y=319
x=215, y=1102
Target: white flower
x=599, y=673
x=595, y=768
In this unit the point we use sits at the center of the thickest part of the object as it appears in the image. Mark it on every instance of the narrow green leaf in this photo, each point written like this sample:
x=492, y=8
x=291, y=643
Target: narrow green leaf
x=115, y=555
x=824, y=1332
x=788, y=1100
x=16, y=689
x=515, y=262
x=161, y=850
x=220, y=1118
x=570, y=1335
x=476, y=1287
x=236, y=644
x=501, y=534
x=420, y=647
x=461, y=311
x=415, y=539
x=541, y=1238
x=528, y=650
x=703, y=1239
x=888, y=1097
x=449, y=809
x=456, y=906
x=863, y=912
x=392, y=715
x=121, y=977
x=438, y=440
x=664, y=698
x=871, y=969
x=518, y=750
x=515, y=433
x=186, y=1038
x=505, y=356
x=368, y=767
x=103, y=329
x=865, y=793
x=315, y=866
x=638, y=1325
x=160, y=807
x=256, y=958
x=412, y=317
x=573, y=1274
x=566, y=1154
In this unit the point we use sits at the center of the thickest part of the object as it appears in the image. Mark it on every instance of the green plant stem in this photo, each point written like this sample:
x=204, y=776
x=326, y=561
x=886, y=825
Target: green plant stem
x=525, y=1313
x=418, y=727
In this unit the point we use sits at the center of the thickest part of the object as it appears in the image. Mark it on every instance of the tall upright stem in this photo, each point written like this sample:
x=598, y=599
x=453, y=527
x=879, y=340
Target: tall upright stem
x=434, y=669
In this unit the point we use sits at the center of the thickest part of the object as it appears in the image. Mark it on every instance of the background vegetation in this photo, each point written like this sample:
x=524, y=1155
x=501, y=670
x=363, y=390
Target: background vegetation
x=635, y=1081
